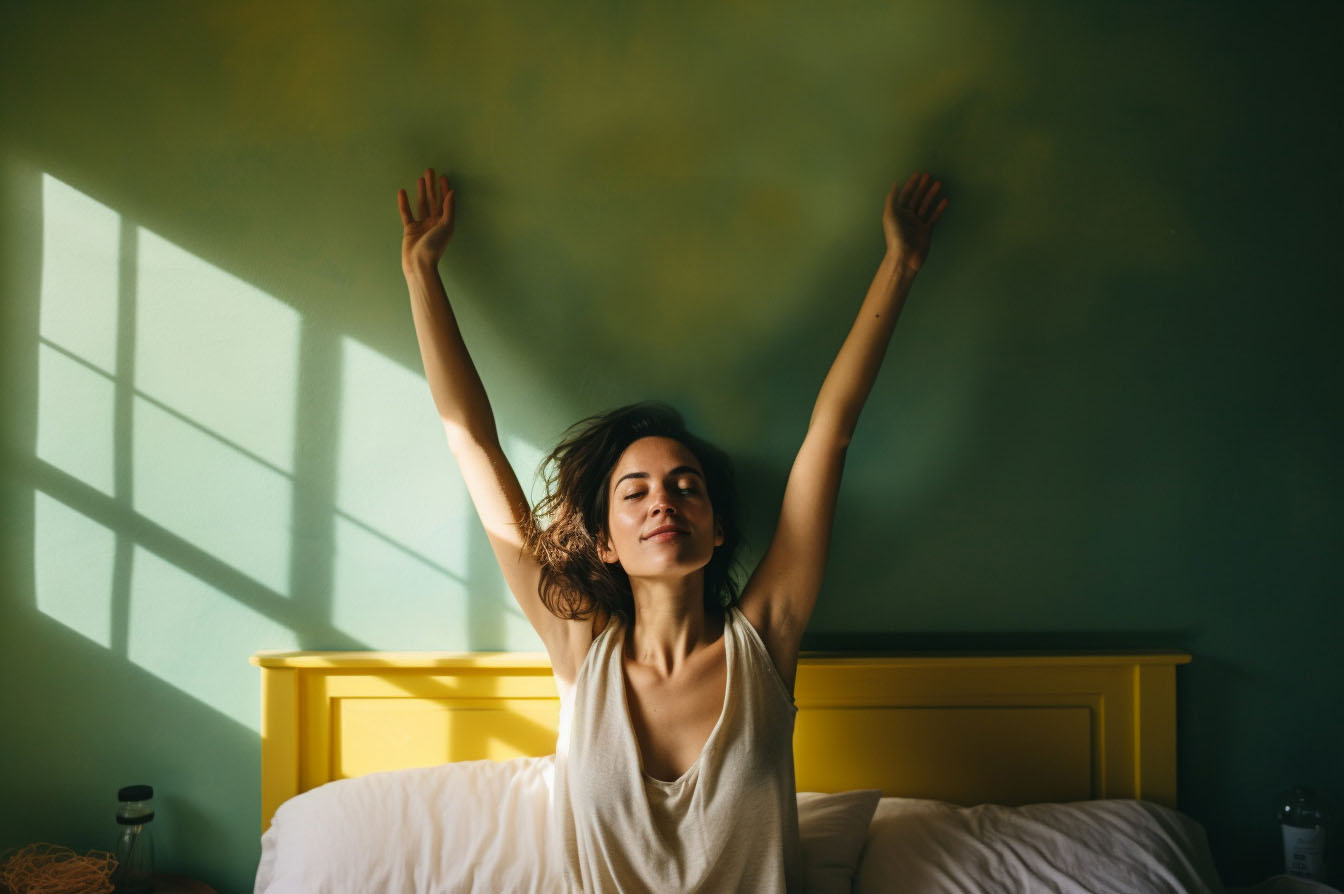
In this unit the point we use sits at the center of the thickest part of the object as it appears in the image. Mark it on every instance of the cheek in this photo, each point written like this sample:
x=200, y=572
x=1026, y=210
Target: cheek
x=620, y=519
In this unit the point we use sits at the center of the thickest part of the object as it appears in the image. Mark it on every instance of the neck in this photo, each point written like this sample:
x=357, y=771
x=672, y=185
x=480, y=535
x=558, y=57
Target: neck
x=670, y=623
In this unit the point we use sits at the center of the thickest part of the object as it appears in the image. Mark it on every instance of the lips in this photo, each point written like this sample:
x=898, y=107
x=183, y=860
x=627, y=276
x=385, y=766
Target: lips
x=665, y=529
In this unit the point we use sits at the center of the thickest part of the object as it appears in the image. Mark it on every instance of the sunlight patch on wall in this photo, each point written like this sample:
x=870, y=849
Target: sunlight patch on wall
x=198, y=638
x=402, y=533
x=185, y=419
x=216, y=349
x=81, y=242
x=75, y=418
x=207, y=492
x=73, y=557
x=406, y=530
x=394, y=472
x=377, y=586
x=169, y=388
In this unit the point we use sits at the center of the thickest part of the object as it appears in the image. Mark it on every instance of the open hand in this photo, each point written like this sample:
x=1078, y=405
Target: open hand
x=908, y=219
x=425, y=234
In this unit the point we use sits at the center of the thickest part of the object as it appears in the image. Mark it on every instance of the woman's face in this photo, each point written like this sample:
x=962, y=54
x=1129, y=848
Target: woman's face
x=659, y=519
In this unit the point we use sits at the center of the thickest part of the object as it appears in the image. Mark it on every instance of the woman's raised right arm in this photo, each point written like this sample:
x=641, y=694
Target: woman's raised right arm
x=458, y=393
x=465, y=411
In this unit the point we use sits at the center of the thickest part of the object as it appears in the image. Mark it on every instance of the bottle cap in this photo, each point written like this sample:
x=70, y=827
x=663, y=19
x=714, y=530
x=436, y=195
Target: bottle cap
x=135, y=793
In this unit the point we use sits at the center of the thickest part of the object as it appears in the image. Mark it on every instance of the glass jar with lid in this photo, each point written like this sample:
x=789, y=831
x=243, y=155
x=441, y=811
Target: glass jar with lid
x=135, y=844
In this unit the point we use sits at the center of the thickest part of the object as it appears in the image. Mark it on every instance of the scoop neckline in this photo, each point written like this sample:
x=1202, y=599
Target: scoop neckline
x=728, y=647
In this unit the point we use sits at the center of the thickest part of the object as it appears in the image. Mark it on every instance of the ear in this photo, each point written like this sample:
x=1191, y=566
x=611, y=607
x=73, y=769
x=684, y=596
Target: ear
x=606, y=551
x=718, y=533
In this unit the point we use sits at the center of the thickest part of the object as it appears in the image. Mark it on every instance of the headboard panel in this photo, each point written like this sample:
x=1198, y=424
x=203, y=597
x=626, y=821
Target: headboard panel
x=1006, y=729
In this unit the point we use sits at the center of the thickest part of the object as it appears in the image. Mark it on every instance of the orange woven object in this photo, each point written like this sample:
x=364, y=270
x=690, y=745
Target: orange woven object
x=44, y=868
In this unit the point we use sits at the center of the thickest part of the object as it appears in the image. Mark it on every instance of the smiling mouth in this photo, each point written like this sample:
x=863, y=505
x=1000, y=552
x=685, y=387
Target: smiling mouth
x=662, y=534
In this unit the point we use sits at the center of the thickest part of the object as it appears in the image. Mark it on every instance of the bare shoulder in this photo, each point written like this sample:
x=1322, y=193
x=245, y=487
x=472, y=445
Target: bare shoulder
x=601, y=618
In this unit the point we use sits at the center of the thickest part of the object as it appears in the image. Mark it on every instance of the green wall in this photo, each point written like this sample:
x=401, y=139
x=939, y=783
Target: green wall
x=1110, y=417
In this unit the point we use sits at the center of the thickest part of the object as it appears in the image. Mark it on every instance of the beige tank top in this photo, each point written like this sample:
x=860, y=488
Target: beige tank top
x=730, y=823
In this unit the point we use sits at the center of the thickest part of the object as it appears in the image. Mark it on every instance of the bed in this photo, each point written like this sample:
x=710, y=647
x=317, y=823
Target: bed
x=945, y=772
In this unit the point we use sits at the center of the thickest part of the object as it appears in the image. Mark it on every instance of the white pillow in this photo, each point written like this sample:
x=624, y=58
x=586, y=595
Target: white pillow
x=1097, y=847
x=479, y=826
x=468, y=826
x=832, y=830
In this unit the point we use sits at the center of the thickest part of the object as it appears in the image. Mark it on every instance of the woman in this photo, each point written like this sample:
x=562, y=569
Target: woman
x=674, y=764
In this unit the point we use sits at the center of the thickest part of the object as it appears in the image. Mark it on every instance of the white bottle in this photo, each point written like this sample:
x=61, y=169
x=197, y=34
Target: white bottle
x=1303, y=834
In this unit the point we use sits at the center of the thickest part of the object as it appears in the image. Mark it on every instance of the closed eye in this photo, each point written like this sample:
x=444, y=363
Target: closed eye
x=688, y=485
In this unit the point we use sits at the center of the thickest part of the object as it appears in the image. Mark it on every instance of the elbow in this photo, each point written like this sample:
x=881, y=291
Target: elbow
x=458, y=439
x=831, y=431
x=462, y=439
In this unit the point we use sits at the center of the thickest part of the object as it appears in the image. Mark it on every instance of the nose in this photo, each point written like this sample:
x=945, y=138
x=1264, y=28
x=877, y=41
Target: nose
x=662, y=503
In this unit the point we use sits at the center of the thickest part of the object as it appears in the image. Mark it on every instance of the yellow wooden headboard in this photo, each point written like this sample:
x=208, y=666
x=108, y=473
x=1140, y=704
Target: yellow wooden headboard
x=1007, y=729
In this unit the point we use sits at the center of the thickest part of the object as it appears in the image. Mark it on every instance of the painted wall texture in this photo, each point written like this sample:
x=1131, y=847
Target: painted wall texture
x=1109, y=418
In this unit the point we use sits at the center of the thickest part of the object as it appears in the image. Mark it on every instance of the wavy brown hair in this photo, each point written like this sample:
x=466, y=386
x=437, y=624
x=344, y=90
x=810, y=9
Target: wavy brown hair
x=571, y=518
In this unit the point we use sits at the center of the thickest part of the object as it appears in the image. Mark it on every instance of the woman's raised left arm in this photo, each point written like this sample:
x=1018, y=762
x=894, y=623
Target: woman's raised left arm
x=782, y=592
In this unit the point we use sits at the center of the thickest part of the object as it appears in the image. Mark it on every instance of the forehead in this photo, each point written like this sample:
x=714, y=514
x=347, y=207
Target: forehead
x=655, y=455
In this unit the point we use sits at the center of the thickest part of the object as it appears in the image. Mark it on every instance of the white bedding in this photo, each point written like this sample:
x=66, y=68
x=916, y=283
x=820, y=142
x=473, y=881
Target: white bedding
x=481, y=826
x=475, y=826
x=1091, y=847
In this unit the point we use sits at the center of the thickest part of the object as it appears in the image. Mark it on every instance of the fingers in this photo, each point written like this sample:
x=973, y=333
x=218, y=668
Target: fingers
x=907, y=189
x=432, y=197
x=929, y=196
x=432, y=189
x=938, y=212
x=918, y=196
x=404, y=205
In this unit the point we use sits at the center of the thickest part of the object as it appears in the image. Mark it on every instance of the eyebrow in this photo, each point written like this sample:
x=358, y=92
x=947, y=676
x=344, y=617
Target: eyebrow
x=679, y=470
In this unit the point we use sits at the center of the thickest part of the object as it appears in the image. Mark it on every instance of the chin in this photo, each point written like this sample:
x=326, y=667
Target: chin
x=675, y=570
